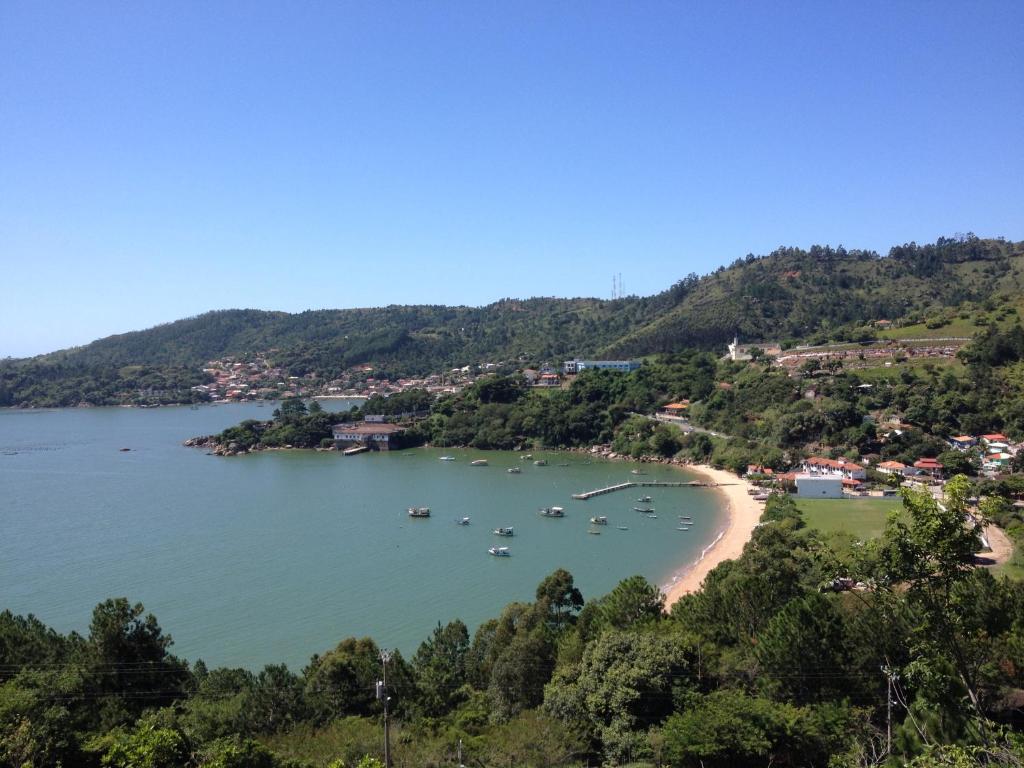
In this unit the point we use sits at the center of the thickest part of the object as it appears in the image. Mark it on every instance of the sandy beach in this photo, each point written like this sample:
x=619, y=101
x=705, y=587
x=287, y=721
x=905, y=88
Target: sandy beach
x=744, y=514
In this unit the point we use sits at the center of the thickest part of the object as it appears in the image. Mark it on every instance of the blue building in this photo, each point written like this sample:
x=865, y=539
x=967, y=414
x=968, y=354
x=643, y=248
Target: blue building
x=575, y=366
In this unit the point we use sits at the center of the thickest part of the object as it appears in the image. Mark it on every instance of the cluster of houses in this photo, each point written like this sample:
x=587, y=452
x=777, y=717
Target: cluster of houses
x=823, y=478
x=996, y=450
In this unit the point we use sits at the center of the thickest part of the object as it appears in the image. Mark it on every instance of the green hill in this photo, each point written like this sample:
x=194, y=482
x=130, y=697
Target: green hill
x=788, y=294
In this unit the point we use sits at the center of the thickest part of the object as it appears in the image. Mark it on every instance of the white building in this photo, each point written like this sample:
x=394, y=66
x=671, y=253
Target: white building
x=818, y=487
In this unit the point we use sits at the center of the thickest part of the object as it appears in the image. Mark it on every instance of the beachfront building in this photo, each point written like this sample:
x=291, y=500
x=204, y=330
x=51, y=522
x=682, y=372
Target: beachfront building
x=817, y=466
x=574, y=366
x=819, y=487
x=378, y=436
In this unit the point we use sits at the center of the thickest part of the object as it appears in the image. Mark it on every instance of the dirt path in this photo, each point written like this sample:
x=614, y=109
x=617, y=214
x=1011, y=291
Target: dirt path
x=1000, y=544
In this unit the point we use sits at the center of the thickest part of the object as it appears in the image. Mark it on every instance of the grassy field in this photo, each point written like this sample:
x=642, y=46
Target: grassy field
x=863, y=517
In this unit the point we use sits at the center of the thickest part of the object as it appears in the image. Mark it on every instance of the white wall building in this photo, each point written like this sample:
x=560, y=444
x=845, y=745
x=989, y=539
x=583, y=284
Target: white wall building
x=819, y=487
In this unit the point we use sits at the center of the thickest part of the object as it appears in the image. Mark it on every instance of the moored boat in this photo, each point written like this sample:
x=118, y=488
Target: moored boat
x=593, y=532
x=552, y=512
x=622, y=527
x=514, y=470
x=510, y=531
x=540, y=463
x=462, y=521
x=499, y=551
x=447, y=458
x=645, y=510
x=644, y=499
x=599, y=520
x=478, y=463
x=419, y=511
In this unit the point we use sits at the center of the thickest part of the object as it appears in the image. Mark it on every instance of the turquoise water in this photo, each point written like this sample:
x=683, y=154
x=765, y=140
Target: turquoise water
x=276, y=556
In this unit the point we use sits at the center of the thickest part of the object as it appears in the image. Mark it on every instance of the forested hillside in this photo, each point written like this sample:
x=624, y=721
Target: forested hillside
x=790, y=293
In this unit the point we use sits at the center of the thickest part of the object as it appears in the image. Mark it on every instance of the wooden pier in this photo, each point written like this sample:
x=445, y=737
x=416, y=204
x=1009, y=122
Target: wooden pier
x=642, y=484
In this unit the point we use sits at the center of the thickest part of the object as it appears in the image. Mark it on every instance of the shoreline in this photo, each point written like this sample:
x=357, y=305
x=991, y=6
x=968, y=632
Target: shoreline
x=743, y=515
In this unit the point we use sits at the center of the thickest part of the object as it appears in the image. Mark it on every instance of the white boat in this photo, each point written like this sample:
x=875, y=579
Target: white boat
x=540, y=463
x=462, y=521
x=552, y=512
x=599, y=520
x=514, y=470
x=499, y=551
x=652, y=516
x=526, y=456
x=644, y=499
x=646, y=510
x=419, y=511
x=447, y=458
x=637, y=472
x=478, y=463
x=510, y=531
x=683, y=528
x=595, y=533
x=622, y=527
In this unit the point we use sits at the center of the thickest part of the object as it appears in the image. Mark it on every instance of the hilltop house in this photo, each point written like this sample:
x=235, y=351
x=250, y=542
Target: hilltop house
x=676, y=410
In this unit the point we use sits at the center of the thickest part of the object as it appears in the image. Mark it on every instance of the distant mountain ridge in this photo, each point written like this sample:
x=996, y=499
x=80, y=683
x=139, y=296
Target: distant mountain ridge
x=790, y=293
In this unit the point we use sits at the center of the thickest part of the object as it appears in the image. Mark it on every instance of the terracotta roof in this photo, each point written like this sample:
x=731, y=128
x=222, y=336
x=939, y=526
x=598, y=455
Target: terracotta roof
x=927, y=464
x=892, y=465
x=994, y=438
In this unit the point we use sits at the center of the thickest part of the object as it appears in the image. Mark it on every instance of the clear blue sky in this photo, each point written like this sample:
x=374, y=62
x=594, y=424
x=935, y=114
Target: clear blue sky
x=158, y=160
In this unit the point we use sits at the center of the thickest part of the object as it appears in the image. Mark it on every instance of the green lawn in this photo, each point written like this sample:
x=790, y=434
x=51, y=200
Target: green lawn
x=863, y=517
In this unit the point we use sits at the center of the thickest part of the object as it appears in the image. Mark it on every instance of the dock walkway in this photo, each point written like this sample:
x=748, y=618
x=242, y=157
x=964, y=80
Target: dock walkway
x=643, y=484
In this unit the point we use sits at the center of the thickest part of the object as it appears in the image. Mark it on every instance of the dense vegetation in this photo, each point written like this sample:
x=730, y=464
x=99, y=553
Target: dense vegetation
x=788, y=294
x=768, y=665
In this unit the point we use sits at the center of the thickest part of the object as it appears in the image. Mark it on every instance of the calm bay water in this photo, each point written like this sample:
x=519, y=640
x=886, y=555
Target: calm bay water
x=273, y=557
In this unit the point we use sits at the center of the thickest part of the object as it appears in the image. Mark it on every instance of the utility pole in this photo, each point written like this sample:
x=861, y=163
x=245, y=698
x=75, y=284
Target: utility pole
x=890, y=677
x=382, y=695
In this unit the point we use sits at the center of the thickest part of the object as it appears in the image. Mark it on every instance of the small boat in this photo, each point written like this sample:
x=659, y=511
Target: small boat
x=685, y=517
x=526, y=456
x=514, y=470
x=622, y=527
x=599, y=520
x=540, y=463
x=447, y=458
x=419, y=511
x=593, y=532
x=499, y=551
x=637, y=472
x=478, y=463
x=644, y=499
x=462, y=521
x=683, y=528
x=510, y=531
x=652, y=516
x=566, y=464
x=552, y=512
x=645, y=510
